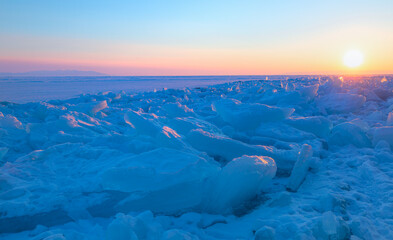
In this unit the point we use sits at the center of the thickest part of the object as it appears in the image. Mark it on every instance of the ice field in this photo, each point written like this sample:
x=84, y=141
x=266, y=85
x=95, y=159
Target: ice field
x=302, y=158
x=23, y=89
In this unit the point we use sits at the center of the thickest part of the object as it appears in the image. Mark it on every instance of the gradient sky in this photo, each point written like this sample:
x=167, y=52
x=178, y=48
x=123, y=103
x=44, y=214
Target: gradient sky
x=195, y=37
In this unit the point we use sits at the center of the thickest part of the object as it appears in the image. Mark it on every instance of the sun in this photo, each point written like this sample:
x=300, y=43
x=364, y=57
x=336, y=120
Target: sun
x=353, y=58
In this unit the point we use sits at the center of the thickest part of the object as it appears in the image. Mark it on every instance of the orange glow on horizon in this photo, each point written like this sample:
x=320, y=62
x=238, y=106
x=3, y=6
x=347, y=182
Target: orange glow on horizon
x=314, y=54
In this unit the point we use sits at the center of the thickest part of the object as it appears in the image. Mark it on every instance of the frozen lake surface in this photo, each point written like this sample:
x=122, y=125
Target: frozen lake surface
x=303, y=158
x=27, y=89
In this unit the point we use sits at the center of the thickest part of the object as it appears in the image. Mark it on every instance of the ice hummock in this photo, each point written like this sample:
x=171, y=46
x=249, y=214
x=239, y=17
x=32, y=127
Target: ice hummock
x=305, y=158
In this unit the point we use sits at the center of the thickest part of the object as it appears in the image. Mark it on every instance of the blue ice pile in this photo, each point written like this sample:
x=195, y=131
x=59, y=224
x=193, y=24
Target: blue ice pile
x=294, y=159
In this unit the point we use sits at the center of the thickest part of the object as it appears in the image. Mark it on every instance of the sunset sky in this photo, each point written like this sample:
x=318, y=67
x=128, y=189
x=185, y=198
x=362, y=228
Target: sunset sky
x=196, y=37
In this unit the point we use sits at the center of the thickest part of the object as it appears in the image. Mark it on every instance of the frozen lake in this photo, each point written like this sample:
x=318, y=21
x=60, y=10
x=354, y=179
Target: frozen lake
x=289, y=159
x=27, y=89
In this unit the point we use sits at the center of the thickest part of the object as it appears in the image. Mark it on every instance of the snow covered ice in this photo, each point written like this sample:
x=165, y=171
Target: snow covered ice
x=304, y=158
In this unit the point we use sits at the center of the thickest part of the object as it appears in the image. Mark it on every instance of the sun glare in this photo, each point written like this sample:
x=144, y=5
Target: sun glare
x=353, y=58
